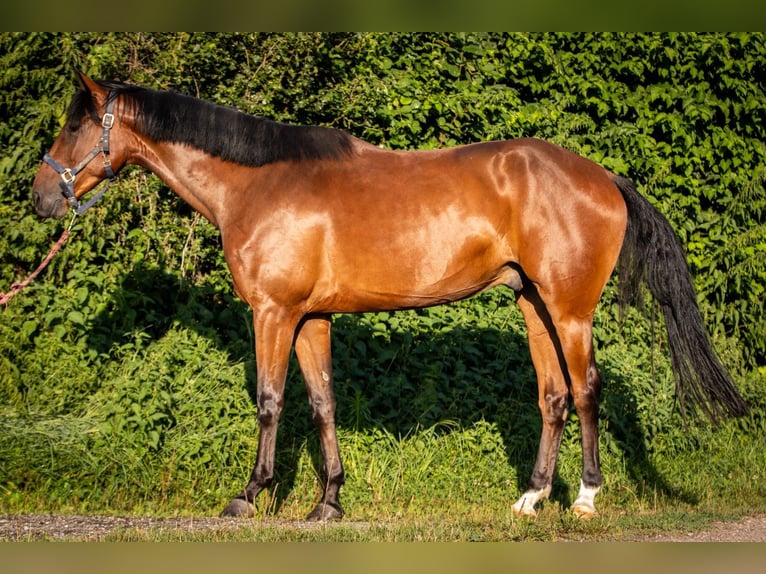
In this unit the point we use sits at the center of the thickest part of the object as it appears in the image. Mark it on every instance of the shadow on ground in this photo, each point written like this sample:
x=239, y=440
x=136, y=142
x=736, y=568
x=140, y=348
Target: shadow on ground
x=393, y=379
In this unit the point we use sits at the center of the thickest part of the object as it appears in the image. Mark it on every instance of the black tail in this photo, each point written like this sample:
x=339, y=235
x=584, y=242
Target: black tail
x=653, y=255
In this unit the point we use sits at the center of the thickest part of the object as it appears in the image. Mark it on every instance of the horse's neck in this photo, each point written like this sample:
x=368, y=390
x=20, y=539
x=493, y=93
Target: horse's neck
x=200, y=180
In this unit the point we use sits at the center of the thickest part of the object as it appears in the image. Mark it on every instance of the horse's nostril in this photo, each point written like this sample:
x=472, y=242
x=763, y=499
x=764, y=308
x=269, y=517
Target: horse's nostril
x=39, y=203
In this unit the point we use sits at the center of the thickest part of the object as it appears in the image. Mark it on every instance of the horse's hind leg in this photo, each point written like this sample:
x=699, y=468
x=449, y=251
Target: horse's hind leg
x=313, y=349
x=576, y=336
x=562, y=352
x=553, y=397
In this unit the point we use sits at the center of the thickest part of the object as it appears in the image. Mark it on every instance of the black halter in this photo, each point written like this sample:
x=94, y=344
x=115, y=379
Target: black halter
x=68, y=174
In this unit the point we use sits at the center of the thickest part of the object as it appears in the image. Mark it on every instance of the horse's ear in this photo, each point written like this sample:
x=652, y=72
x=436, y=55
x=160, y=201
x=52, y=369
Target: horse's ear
x=82, y=80
x=86, y=83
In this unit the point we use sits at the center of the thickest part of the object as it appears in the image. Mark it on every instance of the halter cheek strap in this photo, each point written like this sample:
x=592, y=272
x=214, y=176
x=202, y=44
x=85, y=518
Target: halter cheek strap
x=68, y=175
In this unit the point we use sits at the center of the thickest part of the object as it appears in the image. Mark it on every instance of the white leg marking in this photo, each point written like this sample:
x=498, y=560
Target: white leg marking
x=583, y=506
x=525, y=506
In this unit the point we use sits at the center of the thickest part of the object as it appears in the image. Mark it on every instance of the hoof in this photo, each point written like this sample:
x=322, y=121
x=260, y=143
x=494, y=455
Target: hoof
x=525, y=506
x=239, y=507
x=522, y=508
x=584, y=511
x=324, y=512
x=583, y=506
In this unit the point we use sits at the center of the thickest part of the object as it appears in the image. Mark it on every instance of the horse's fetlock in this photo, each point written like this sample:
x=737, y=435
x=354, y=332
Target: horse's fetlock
x=592, y=478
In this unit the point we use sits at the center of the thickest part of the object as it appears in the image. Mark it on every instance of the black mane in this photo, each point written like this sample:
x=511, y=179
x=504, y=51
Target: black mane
x=220, y=131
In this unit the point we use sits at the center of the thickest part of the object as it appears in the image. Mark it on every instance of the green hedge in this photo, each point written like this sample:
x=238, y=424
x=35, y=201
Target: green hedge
x=133, y=338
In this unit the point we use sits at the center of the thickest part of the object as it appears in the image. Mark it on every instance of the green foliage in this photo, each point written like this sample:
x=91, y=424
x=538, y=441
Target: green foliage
x=126, y=369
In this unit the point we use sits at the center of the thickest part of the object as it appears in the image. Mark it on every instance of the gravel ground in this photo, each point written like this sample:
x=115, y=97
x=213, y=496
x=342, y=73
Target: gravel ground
x=78, y=527
x=750, y=529
x=26, y=527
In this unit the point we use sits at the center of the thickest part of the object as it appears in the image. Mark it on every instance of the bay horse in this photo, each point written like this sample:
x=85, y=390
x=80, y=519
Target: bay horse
x=315, y=222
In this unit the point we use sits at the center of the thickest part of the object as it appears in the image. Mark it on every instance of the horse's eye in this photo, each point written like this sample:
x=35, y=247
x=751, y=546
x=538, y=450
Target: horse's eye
x=73, y=125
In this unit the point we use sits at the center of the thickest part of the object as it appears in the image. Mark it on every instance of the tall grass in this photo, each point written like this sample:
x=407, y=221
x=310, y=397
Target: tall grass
x=438, y=424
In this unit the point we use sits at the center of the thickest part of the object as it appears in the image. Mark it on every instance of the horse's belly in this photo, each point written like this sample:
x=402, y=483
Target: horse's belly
x=404, y=288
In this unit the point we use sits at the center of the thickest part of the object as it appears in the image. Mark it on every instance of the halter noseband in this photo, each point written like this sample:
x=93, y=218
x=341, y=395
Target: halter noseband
x=68, y=174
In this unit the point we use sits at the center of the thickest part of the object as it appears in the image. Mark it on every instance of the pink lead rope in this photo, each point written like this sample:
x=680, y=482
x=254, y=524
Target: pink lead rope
x=68, y=176
x=16, y=287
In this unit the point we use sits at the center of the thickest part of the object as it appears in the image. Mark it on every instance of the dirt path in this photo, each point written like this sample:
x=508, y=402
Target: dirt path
x=27, y=527
x=750, y=529
x=77, y=527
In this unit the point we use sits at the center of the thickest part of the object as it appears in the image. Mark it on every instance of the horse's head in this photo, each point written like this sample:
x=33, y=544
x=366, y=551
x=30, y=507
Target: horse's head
x=86, y=152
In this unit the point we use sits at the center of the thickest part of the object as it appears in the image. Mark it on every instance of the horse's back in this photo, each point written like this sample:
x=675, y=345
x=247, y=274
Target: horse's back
x=556, y=215
x=397, y=229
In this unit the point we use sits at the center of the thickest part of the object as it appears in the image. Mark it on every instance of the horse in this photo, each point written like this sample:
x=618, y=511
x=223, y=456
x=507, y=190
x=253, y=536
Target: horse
x=315, y=222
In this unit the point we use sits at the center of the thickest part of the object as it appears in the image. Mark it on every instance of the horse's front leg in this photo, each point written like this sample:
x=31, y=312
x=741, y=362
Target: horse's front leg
x=312, y=347
x=274, y=332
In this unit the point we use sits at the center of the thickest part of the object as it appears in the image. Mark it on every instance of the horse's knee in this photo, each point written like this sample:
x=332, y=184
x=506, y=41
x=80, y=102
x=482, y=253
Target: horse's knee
x=269, y=408
x=554, y=406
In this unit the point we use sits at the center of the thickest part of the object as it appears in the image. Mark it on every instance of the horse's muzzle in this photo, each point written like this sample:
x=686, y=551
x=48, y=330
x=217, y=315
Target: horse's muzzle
x=51, y=204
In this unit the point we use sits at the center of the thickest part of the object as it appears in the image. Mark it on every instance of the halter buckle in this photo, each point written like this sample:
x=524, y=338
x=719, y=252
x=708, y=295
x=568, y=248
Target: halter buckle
x=67, y=176
x=107, y=121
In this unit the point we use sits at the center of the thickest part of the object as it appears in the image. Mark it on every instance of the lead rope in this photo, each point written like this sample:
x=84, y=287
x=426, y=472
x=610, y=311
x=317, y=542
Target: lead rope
x=68, y=176
x=18, y=286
